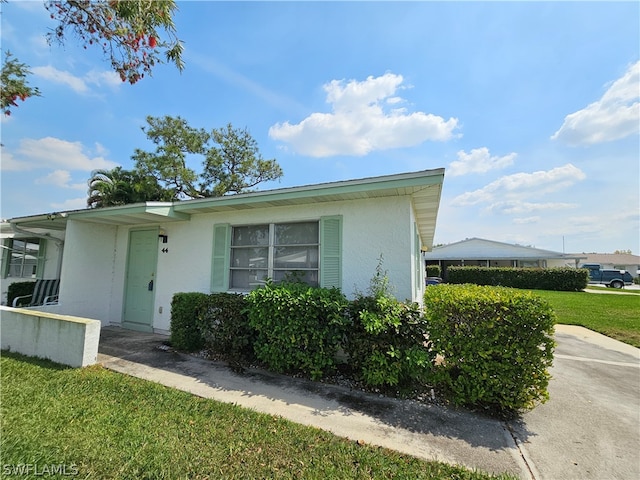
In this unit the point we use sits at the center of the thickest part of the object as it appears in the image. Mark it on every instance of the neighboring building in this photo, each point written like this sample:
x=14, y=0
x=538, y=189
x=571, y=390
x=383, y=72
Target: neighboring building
x=489, y=253
x=28, y=255
x=123, y=265
x=617, y=261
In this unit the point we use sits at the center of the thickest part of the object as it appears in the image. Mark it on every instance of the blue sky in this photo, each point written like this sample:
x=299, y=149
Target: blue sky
x=532, y=108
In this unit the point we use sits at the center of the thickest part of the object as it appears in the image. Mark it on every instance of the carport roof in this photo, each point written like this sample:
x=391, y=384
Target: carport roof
x=424, y=188
x=481, y=249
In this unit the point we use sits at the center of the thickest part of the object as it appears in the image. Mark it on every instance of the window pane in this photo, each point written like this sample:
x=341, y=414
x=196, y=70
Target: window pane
x=248, y=279
x=297, y=233
x=250, y=235
x=296, y=257
x=15, y=270
x=308, y=277
x=249, y=257
x=24, y=258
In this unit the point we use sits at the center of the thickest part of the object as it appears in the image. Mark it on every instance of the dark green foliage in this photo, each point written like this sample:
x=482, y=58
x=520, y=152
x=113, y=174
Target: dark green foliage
x=497, y=345
x=563, y=279
x=224, y=324
x=185, y=311
x=18, y=289
x=386, y=344
x=299, y=328
x=434, y=271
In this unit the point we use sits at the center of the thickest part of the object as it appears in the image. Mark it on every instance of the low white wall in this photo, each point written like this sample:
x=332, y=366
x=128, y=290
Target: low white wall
x=64, y=339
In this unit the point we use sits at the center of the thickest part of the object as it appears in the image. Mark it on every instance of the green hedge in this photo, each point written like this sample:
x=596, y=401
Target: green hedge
x=497, y=345
x=434, y=271
x=223, y=322
x=18, y=289
x=185, y=311
x=386, y=344
x=299, y=328
x=563, y=278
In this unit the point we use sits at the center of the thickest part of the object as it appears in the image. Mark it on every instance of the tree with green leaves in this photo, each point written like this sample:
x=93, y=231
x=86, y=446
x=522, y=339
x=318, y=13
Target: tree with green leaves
x=14, y=84
x=132, y=34
x=109, y=188
x=232, y=161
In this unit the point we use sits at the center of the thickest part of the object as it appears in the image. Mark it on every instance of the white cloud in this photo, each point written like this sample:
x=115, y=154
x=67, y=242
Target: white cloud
x=516, y=207
x=519, y=186
x=54, y=75
x=10, y=164
x=71, y=204
x=527, y=220
x=358, y=123
x=616, y=115
x=78, y=84
x=60, y=178
x=55, y=153
x=479, y=160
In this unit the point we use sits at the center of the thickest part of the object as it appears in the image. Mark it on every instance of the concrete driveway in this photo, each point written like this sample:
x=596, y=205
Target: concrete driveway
x=589, y=429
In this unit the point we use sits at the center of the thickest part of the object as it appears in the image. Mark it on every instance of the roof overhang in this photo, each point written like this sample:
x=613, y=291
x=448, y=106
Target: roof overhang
x=135, y=214
x=424, y=188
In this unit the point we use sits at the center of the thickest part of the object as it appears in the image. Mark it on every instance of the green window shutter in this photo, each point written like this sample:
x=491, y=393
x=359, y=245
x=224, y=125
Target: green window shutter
x=6, y=256
x=42, y=257
x=221, y=257
x=331, y=252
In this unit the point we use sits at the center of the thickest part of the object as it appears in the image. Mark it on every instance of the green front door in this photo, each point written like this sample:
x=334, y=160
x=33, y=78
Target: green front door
x=140, y=280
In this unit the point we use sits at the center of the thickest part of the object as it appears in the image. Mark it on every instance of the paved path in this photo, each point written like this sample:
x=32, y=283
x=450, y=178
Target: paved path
x=589, y=429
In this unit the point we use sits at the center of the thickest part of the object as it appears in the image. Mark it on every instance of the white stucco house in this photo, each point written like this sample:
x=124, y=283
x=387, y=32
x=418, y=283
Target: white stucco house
x=122, y=265
x=489, y=253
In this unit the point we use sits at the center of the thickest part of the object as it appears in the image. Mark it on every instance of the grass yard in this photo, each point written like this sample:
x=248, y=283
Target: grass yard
x=106, y=425
x=614, y=315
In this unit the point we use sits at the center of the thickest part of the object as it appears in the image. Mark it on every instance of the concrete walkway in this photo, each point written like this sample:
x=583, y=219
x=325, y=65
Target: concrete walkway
x=587, y=430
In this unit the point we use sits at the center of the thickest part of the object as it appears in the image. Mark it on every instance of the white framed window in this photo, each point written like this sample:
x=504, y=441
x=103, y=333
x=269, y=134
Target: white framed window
x=276, y=251
x=245, y=256
x=23, y=258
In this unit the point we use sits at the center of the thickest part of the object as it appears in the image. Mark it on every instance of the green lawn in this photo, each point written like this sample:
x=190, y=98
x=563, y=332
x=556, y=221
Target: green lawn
x=614, y=315
x=108, y=425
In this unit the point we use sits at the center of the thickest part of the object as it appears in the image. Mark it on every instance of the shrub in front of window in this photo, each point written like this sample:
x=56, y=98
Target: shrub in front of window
x=497, y=345
x=223, y=321
x=185, y=310
x=299, y=328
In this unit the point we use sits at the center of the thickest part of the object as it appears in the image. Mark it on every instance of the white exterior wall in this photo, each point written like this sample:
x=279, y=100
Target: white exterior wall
x=90, y=279
x=93, y=276
x=555, y=263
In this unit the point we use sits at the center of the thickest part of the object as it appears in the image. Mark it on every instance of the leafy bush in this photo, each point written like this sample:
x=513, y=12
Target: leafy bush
x=434, y=271
x=223, y=322
x=299, y=328
x=18, y=289
x=497, y=345
x=563, y=278
x=386, y=344
x=185, y=310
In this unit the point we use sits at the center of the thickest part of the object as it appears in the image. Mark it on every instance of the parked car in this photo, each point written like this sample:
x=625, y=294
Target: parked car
x=609, y=277
x=433, y=281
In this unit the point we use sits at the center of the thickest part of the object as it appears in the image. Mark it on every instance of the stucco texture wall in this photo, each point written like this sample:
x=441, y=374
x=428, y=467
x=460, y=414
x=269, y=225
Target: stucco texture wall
x=95, y=255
